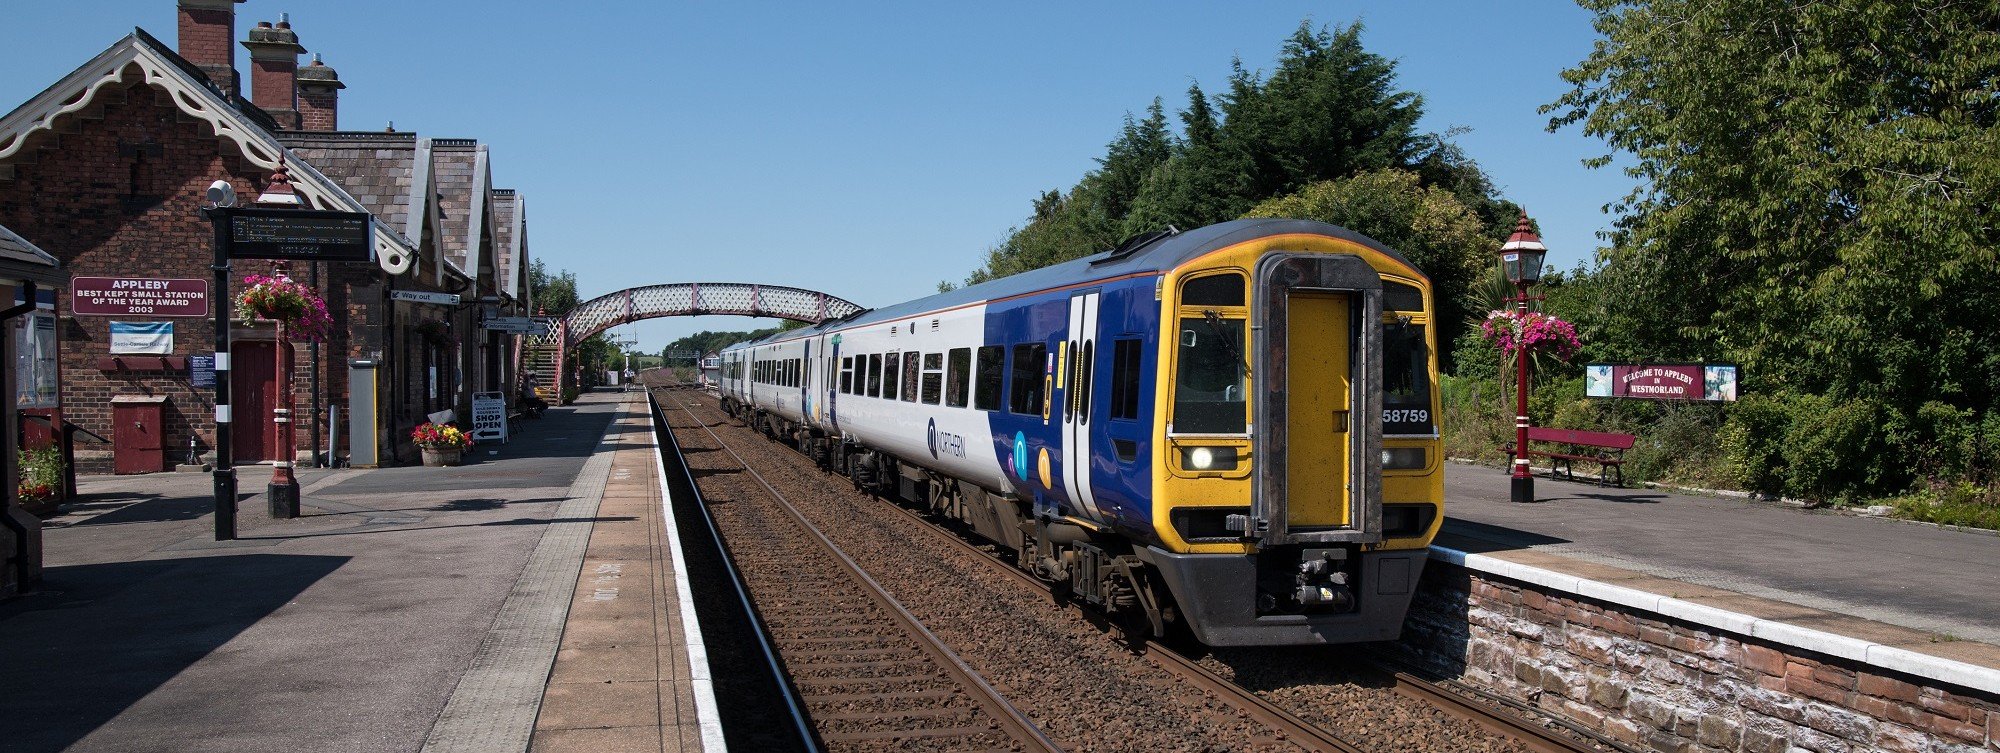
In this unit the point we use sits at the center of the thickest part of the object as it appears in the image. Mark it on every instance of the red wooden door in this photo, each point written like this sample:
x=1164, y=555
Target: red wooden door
x=252, y=395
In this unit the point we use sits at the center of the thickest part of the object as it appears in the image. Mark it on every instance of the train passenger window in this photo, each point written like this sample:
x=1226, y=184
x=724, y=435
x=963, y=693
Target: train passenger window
x=1026, y=397
x=933, y=378
x=875, y=375
x=955, y=385
x=847, y=375
x=892, y=375
x=910, y=375
x=1086, y=378
x=1208, y=382
x=1125, y=379
x=1213, y=290
x=992, y=369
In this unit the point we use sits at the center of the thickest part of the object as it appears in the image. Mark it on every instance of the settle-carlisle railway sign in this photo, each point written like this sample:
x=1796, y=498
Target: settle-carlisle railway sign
x=299, y=235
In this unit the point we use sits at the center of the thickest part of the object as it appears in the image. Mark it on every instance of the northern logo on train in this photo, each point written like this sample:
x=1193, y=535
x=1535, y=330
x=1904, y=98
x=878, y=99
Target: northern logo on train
x=930, y=437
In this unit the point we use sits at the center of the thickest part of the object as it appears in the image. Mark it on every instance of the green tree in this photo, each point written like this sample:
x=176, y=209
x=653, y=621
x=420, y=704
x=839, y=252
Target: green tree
x=553, y=293
x=1816, y=193
x=1429, y=226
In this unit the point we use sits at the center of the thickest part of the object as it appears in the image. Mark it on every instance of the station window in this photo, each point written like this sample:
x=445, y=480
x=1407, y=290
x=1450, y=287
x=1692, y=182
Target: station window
x=1125, y=379
x=910, y=375
x=892, y=375
x=933, y=377
x=992, y=369
x=956, y=377
x=1026, y=397
x=875, y=375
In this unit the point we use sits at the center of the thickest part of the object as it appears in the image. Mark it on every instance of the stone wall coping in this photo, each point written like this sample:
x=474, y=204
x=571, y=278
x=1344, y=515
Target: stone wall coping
x=1963, y=674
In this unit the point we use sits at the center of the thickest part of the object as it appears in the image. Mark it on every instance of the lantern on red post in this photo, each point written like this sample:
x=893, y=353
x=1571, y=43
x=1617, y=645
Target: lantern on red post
x=1521, y=259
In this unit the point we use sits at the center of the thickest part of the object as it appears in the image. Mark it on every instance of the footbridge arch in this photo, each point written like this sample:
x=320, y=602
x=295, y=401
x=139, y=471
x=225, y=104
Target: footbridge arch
x=686, y=299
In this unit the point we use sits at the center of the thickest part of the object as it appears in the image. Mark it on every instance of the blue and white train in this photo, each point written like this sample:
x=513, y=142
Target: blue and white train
x=1232, y=429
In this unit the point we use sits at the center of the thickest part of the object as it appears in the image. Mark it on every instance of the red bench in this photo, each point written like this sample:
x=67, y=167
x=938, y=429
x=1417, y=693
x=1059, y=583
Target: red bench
x=1606, y=449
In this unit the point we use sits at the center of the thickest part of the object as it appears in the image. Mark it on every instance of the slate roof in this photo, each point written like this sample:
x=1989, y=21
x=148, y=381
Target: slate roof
x=19, y=258
x=377, y=168
x=453, y=163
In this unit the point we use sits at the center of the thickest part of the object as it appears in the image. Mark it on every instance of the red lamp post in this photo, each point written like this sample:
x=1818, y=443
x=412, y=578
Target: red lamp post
x=283, y=491
x=1521, y=258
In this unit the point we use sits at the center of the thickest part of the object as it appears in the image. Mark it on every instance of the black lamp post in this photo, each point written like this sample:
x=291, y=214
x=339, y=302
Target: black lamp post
x=1521, y=258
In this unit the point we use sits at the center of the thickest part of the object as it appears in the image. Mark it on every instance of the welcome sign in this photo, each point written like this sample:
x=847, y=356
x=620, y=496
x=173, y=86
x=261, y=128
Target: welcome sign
x=1661, y=381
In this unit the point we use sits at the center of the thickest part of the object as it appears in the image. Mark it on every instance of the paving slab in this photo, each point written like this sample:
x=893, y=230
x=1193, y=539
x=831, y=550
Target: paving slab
x=346, y=629
x=1935, y=580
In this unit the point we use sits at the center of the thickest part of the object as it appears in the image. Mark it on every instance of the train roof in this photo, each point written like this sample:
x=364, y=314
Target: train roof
x=1158, y=257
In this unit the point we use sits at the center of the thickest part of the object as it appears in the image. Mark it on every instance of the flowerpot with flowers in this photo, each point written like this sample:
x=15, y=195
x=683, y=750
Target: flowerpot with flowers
x=443, y=444
x=278, y=299
x=41, y=473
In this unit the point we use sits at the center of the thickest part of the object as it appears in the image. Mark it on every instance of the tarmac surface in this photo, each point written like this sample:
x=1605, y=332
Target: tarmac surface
x=1915, y=576
x=343, y=630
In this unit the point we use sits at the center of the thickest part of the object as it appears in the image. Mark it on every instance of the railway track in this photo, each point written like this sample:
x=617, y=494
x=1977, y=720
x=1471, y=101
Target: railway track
x=1284, y=728
x=871, y=675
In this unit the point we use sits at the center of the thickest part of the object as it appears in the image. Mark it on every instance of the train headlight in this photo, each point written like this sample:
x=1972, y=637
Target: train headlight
x=1208, y=458
x=1404, y=458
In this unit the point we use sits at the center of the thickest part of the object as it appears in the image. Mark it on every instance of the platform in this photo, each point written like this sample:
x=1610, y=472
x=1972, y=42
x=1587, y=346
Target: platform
x=350, y=628
x=1824, y=581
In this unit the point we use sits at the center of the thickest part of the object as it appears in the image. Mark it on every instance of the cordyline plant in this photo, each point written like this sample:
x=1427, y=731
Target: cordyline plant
x=282, y=300
x=1534, y=332
x=440, y=437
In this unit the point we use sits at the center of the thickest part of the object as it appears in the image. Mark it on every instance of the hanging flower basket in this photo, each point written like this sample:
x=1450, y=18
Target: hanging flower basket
x=279, y=299
x=443, y=444
x=1533, y=332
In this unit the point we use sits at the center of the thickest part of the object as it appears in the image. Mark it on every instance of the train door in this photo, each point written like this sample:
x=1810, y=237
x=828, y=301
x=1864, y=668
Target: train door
x=1317, y=409
x=1081, y=349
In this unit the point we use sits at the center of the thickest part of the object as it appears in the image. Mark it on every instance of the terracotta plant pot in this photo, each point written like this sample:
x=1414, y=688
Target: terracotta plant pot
x=436, y=458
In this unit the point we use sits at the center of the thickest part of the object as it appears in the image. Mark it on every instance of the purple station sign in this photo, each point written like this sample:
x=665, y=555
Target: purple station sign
x=137, y=296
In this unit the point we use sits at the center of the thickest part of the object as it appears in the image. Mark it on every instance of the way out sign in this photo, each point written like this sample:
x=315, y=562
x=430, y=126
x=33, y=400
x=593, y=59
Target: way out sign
x=489, y=417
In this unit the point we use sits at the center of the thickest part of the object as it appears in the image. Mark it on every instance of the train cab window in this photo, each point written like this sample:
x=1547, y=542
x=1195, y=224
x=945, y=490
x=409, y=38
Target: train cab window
x=933, y=377
x=1397, y=296
x=892, y=374
x=1125, y=379
x=910, y=376
x=875, y=375
x=992, y=369
x=1406, y=380
x=1029, y=361
x=1210, y=369
x=1214, y=290
x=955, y=378
x=847, y=375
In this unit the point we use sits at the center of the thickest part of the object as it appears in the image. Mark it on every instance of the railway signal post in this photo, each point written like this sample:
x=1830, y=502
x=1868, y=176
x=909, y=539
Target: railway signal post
x=1521, y=258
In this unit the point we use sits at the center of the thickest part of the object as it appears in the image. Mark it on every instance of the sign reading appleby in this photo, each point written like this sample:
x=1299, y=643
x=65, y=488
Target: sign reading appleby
x=137, y=296
x=1685, y=381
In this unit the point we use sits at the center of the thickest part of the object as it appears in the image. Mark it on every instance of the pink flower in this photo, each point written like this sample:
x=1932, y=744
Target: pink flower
x=1534, y=332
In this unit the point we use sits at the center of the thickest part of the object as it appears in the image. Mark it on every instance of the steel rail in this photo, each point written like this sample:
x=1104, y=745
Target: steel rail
x=1482, y=712
x=794, y=705
x=1012, y=721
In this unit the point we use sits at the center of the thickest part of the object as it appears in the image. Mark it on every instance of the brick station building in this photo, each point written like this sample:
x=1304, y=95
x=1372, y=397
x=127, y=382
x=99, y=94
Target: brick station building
x=107, y=171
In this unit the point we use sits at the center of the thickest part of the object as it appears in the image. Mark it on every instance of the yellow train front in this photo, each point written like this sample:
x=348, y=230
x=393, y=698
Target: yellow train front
x=1300, y=481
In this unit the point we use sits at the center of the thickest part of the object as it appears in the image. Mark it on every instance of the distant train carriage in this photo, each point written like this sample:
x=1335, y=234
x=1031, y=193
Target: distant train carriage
x=1232, y=428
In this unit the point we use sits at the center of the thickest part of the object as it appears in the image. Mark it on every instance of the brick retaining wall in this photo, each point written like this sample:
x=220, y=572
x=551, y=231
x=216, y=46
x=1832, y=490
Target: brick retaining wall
x=1663, y=684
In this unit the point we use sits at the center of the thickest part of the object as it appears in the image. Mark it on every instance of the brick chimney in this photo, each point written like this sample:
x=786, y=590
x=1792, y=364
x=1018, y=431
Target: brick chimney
x=208, y=38
x=319, y=97
x=274, y=70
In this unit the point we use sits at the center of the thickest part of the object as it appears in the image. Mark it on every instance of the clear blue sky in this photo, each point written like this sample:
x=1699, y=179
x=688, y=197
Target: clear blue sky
x=865, y=151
